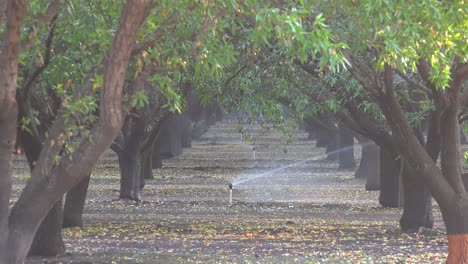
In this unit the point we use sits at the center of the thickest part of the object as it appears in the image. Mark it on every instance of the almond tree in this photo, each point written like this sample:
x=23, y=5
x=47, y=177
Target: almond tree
x=428, y=37
x=55, y=174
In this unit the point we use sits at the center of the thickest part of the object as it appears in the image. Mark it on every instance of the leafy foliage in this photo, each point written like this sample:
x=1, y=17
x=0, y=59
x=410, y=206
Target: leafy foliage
x=402, y=33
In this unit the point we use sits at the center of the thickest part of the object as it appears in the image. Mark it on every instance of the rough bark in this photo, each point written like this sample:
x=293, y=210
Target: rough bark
x=417, y=211
x=130, y=168
x=9, y=57
x=48, y=239
x=130, y=162
x=457, y=246
x=74, y=204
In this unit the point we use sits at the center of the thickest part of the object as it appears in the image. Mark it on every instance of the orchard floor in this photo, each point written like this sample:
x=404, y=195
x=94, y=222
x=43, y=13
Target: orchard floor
x=309, y=212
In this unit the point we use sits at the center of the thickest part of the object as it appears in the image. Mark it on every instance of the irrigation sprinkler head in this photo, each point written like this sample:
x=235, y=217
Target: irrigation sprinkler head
x=230, y=194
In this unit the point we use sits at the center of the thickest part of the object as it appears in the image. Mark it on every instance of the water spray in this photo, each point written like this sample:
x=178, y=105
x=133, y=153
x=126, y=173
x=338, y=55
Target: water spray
x=240, y=181
x=230, y=193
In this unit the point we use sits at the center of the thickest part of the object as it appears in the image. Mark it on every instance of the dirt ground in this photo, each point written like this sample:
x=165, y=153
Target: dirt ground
x=290, y=206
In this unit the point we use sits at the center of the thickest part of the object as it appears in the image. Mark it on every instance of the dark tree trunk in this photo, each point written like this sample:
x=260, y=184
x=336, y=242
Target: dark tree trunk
x=74, y=204
x=186, y=131
x=48, y=239
x=130, y=169
x=368, y=160
x=463, y=139
x=417, y=210
x=333, y=146
x=129, y=157
x=199, y=128
x=147, y=164
x=150, y=156
x=323, y=138
x=156, y=162
x=210, y=112
x=346, y=149
x=369, y=167
x=372, y=163
x=310, y=128
x=146, y=167
x=170, y=138
x=389, y=180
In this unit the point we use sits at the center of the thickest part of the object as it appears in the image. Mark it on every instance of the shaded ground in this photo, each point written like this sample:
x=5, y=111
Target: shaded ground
x=306, y=213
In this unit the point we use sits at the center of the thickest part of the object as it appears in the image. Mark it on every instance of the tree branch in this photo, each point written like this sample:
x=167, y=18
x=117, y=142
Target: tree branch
x=48, y=16
x=412, y=82
x=37, y=70
x=157, y=34
x=362, y=73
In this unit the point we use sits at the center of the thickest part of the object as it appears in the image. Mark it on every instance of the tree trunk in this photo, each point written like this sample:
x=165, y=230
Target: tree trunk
x=310, y=128
x=170, y=138
x=74, y=204
x=333, y=146
x=9, y=58
x=458, y=249
x=323, y=138
x=130, y=168
x=199, y=128
x=455, y=209
x=186, y=131
x=369, y=163
x=156, y=162
x=369, y=167
x=146, y=167
x=48, y=239
x=463, y=139
x=389, y=181
x=417, y=210
x=147, y=164
x=129, y=157
x=346, y=149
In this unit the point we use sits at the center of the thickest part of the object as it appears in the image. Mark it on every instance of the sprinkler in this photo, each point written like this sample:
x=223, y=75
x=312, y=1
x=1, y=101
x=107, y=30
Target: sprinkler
x=230, y=193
